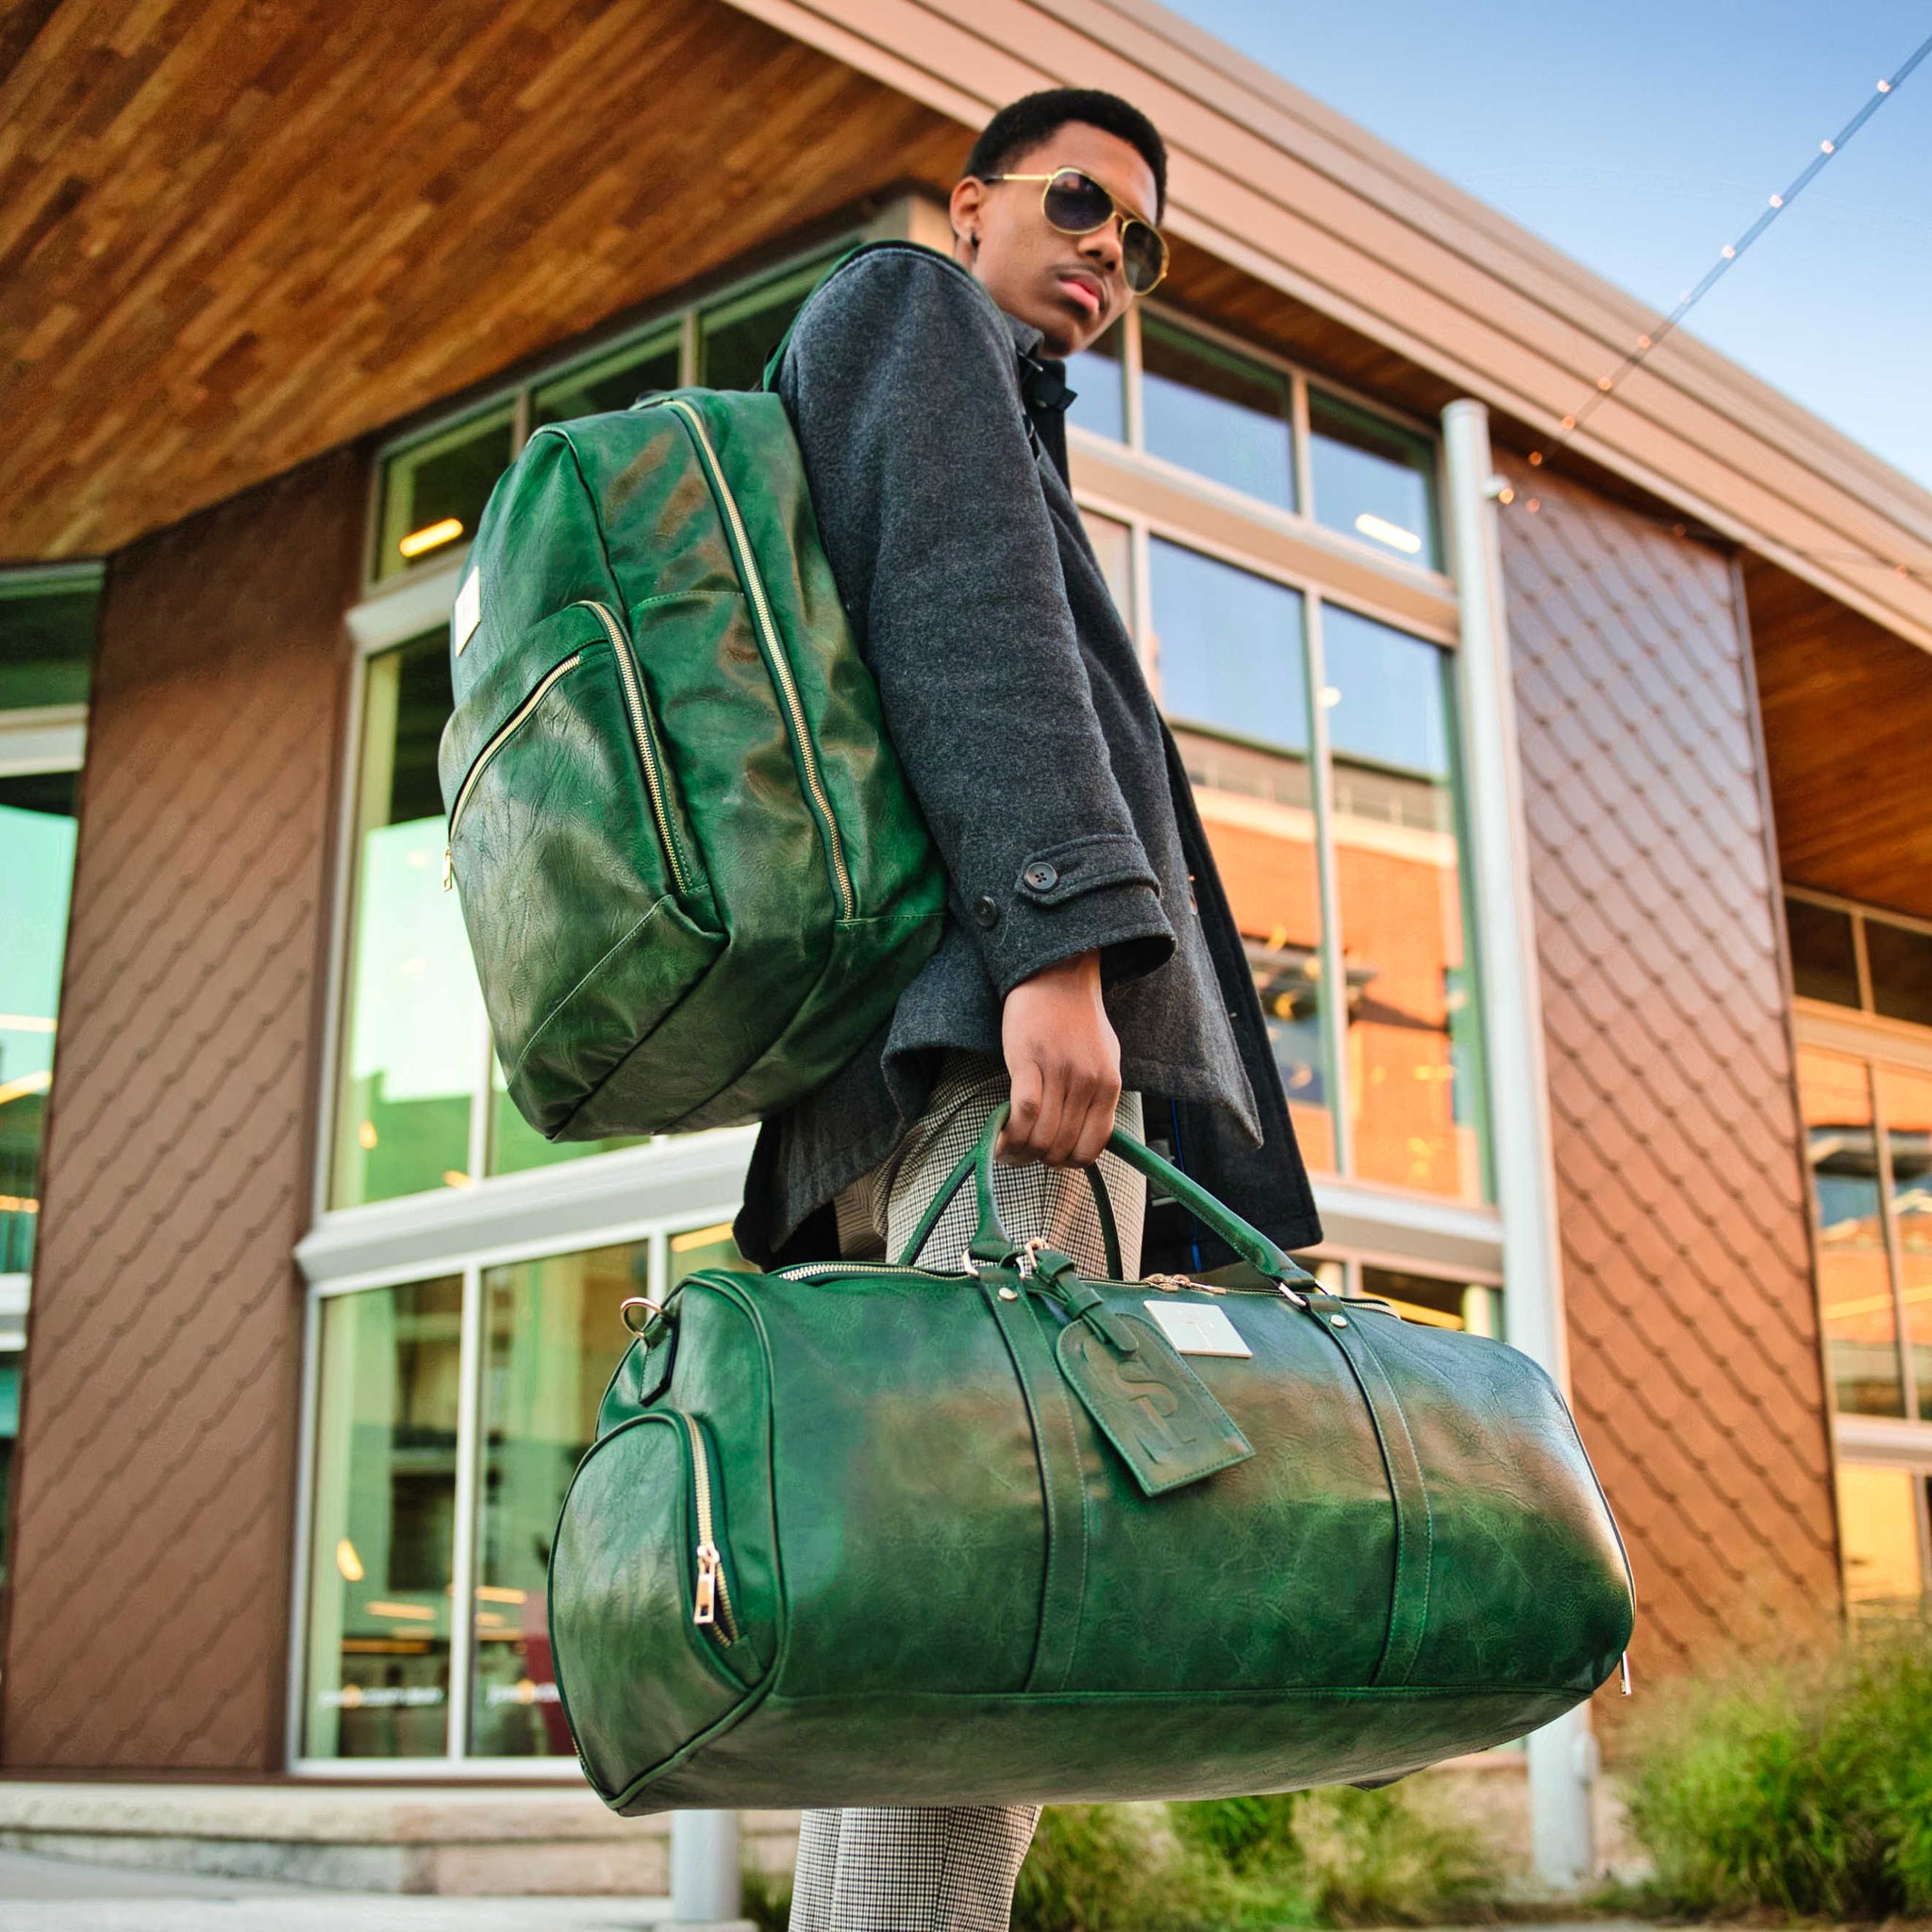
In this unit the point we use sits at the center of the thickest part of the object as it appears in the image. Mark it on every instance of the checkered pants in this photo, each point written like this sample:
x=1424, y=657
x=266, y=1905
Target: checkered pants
x=901, y=1869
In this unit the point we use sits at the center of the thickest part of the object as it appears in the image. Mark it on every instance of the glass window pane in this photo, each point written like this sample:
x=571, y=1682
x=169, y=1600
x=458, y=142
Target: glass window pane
x=737, y=336
x=1824, y=964
x=1878, y=1533
x=612, y=382
x=383, y=1548
x=1372, y=478
x=1905, y=1102
x=1900, y=962
x=698, y=1248
x=47, y=624
x=1414, y=1072
x=1095, y=376
x=1854, y=1276
x=434, y=492
x=413, y=1052
x=38, y=829
x=1231, y=672
x=1216, y=412
x=1429, y=1299
x=553, y=1339
x=1113, y=544
x=516, y=1146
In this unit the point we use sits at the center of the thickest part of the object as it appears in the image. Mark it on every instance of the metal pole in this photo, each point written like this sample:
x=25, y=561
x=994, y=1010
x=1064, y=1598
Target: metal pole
x=704, y=1882
x=1562, y=1755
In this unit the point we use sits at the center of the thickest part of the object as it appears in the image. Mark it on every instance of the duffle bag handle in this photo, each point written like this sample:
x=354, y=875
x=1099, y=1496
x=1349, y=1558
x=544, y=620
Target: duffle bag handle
x=993, y=1244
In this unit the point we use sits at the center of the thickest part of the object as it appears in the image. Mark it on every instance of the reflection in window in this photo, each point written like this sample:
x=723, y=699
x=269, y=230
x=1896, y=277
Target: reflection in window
x=47, y=622
x=1854, y=1278
x=736, y=337
x=383, y=1546
x=434, y=492
x=1240, y=718
x=1372, y=478
x=698, y=1248
x=38, y=830
x=1900, y=962
x=1824, y=960
x=1905, y=1103
x=1216, y=412
x=1096, y=378
x=551, y=1341
x=1113, y=544
x=612, y=382
x=1435, y=1303
x=1414, y=1088
x=414, y=1046
x=1878, y=1520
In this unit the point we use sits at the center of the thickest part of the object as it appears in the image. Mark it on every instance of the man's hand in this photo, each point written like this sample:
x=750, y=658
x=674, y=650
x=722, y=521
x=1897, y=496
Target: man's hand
x=1065, y=1062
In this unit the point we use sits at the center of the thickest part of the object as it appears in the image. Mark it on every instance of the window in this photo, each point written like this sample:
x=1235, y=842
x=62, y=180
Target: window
x=1881, y=1520
x=1388, y=863
x=1215, y=410
x=1434, y=1302
x=48, y=619
x=451, y=1412
x=1098, y=382
x=432, y=489
x=1372, y=477
x=1854, y=956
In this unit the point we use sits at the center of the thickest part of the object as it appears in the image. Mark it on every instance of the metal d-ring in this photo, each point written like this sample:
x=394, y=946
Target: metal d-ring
x=652, y=1311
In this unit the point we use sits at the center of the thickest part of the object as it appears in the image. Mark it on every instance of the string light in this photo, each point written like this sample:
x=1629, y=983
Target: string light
x=1732, y=251
x=1730, y=254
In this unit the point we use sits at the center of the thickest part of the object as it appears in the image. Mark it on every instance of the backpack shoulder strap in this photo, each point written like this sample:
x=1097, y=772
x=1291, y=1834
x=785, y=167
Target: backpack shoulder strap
x=770, y=379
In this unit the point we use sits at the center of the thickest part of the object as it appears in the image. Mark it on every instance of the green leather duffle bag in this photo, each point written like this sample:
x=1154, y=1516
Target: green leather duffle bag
x=694, y=878
x=874, y=1534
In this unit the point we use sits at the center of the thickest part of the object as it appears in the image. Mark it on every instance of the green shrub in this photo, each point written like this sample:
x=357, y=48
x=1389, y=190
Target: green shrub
x=767, y=1900
x=1804, y=1789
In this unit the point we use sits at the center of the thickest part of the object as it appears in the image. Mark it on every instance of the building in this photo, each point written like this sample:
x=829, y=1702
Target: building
x=1575, y=812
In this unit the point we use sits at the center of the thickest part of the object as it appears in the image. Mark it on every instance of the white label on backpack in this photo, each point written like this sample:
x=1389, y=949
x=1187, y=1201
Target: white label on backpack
x=469, y=611
x=1196, y=1329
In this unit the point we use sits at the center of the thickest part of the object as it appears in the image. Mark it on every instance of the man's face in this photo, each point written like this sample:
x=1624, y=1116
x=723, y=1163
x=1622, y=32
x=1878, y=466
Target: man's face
x=1070, y=287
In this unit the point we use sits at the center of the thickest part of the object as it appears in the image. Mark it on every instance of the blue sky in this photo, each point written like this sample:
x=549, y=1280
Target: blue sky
x=1641, y=138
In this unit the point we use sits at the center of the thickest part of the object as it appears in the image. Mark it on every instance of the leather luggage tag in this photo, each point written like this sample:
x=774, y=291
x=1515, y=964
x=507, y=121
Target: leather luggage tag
x=1169, y=1431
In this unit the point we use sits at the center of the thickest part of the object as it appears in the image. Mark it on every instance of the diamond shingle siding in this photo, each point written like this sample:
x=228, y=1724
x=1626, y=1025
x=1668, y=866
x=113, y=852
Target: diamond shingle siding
x=1692, y=1326
x=148, y=1626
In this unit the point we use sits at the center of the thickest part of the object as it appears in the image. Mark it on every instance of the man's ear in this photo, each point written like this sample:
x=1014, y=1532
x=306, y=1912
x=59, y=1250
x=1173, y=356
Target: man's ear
x=967, y=210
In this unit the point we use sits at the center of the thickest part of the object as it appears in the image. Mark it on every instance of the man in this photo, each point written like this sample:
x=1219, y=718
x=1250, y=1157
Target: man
x=1090, y=970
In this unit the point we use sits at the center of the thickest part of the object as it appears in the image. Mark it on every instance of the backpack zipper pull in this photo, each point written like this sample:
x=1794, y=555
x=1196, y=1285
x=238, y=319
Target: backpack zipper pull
x=710, y=1565
x=449, y=867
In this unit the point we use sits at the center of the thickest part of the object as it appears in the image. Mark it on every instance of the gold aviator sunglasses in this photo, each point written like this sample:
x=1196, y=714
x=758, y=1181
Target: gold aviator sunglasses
x=1075, y=204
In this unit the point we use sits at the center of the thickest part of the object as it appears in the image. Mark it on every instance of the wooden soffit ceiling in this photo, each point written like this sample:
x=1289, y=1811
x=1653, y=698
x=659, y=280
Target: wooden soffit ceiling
x=1268, y=179
x=234, y=234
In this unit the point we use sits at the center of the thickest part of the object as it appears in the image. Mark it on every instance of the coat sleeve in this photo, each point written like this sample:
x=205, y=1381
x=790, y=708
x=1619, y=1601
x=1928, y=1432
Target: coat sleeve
x=902, y=386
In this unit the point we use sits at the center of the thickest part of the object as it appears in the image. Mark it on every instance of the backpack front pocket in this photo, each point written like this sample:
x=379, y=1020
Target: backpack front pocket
x=585, y=902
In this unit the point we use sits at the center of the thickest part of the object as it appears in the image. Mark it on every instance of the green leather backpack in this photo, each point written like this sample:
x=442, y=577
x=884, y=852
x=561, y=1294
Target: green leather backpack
x=692, y=874
x=864, y=1535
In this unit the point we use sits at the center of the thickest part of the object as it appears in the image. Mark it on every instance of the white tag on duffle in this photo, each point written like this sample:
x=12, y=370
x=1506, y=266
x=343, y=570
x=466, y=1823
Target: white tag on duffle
x=1195, y=1328
x=469, y=611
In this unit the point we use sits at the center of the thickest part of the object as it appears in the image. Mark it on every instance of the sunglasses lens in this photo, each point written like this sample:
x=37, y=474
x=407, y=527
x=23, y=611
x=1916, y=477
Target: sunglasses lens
x=1143, y=257
x=1076, y=206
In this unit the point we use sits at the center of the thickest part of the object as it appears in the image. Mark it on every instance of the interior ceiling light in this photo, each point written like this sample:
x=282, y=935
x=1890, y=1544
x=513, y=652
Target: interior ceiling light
x=1392, y=534
x=347, y=1562
x=431, y=537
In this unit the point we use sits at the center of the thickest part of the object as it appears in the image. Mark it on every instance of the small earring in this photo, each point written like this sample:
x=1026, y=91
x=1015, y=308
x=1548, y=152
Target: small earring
x=973, y=241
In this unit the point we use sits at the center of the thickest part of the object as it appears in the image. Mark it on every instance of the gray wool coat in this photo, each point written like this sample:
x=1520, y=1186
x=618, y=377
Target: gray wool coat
x=934, y=442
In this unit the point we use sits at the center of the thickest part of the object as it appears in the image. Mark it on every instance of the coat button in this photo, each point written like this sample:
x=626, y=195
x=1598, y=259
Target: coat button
x=987, y=913
x=1040, y=876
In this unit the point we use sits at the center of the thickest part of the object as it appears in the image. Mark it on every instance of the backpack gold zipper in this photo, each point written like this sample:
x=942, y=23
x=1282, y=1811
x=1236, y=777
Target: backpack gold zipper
x=648, y=752
x=713, y=1605
x=490, y=751
x=781, y=668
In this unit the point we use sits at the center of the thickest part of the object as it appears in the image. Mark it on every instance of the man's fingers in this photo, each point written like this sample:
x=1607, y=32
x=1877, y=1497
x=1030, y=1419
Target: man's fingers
x=1096, y=1127
x=1015, y=1143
